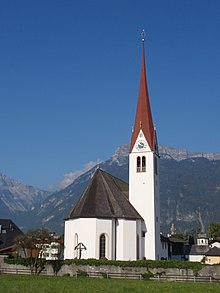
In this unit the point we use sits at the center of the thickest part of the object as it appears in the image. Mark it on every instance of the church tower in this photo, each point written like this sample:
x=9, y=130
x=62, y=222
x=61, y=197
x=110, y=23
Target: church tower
x=143, y=171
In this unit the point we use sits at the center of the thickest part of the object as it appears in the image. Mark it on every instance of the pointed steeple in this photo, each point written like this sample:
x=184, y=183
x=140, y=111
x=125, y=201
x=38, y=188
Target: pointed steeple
x=143, y=120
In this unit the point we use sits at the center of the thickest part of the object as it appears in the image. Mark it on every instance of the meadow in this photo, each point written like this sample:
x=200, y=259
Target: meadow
x=45, y=284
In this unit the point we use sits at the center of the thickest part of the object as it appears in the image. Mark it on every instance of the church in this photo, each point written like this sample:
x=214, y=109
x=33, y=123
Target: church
x=115, y=220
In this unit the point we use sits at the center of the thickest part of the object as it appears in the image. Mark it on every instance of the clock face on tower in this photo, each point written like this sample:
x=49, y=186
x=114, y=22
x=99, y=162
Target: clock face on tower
x=141, y=145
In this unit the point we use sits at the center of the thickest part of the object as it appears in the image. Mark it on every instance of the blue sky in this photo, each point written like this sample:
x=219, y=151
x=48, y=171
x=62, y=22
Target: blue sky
x=69, y=78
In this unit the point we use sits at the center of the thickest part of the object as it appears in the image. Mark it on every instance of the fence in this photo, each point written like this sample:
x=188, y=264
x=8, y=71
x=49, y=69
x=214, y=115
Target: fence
x=108, y=275
x=19, y=271
x=111, y=275
x=138, y=276
x=177, y=278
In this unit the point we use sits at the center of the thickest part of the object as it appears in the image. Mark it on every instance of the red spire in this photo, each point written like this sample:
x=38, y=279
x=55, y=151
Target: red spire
x=143, y=118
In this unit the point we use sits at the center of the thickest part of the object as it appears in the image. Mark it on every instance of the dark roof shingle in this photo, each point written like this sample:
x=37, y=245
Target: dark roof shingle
x=198, y=249
x=105, y=197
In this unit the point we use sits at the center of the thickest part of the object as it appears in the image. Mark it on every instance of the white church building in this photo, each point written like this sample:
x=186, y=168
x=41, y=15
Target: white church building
x=112, y=219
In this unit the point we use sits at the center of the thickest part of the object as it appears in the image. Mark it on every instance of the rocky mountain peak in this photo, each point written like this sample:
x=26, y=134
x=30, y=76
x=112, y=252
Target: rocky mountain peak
x=16, y=196
x=120, y=154
x=179, y=154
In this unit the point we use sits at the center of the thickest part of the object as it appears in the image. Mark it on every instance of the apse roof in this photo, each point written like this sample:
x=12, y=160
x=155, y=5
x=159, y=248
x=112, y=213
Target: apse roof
x=105, y=197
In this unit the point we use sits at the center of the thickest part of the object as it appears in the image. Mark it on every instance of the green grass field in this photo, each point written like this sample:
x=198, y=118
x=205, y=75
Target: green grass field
x=43, y=284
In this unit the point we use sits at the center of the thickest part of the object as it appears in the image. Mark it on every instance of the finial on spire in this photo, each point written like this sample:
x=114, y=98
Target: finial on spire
x=143, y=35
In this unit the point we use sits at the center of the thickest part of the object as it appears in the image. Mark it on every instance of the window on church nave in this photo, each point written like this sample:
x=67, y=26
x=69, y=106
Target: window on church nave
x=141, y=164
x=75, y=245
x=102, y=246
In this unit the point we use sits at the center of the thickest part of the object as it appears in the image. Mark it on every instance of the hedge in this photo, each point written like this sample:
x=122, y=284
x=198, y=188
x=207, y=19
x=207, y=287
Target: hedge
x=139, y=263
x=148, y=264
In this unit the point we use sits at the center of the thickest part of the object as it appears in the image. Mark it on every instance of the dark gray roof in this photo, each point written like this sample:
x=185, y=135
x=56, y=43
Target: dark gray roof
x=105, y=197
x=198, y=250
x=202, y=235
x=176, y=240
x=8, y=232
x=215, y=251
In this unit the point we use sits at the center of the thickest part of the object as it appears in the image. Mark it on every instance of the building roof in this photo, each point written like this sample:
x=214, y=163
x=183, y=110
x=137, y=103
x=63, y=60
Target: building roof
x=8, y=232
x=215, y=251
x=176, y=240
x=198, y=249
x=143, y=120
x=202, y=235
x=105, y=197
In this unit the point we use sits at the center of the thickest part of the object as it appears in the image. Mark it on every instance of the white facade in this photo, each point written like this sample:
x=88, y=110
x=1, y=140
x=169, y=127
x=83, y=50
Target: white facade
x=120, y=238
x=144, y=196
x=196, y=258
x=49, y=251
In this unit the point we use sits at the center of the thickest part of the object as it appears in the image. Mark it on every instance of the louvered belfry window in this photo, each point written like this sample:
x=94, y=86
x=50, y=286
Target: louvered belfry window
x=141, y=164
x=138, y=164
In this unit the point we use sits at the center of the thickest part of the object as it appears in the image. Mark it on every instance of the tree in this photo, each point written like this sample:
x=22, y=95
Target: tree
x=214, y=230
x=29, y=246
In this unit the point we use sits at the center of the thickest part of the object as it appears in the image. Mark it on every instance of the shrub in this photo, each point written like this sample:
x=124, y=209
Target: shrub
x=147, y=275
x=66, y=275
x=82, y=274
x=56, y=265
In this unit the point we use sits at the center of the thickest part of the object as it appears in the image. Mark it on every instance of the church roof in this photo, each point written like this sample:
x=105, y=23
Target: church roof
x=105, y=197
x=143, y=118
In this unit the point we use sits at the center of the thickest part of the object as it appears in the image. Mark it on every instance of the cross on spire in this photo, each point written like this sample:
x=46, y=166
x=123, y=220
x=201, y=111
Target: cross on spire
x=143, y=35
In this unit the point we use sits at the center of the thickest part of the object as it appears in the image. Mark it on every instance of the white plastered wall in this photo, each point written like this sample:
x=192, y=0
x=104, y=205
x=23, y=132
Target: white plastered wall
x=104, y=226
x=126, y=240
x=144, y=196
x=88, y=231
x=197, y=258
x=121, y=238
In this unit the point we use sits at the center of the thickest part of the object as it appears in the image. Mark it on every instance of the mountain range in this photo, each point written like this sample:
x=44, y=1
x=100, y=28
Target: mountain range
x=189, y=192
x=16, y=197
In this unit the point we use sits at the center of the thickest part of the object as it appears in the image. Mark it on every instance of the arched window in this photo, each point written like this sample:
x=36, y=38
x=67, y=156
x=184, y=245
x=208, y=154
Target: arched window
x=75, y=244
x=102, y=246
x=138, y=164
x=143, y=164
